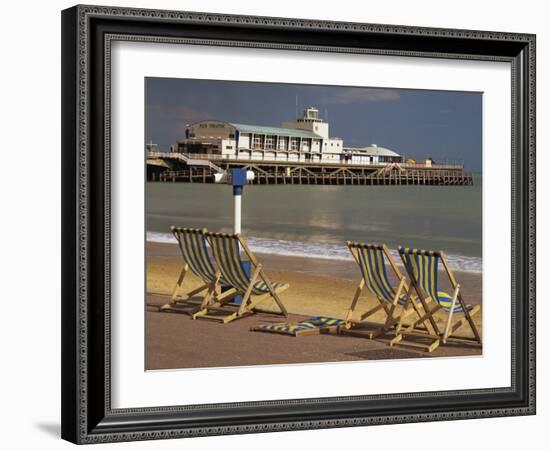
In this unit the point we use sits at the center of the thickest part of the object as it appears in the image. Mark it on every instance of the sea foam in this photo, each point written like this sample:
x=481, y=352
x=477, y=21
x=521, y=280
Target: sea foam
x=319, y=250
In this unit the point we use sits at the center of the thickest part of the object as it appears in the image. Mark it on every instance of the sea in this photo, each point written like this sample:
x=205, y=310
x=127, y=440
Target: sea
x=316, y=221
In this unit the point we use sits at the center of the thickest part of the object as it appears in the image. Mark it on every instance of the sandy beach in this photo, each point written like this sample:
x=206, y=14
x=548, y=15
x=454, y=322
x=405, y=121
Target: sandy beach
x=317, y=287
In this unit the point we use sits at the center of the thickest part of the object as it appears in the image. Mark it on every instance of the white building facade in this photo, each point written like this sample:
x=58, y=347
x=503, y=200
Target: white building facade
x=306, y=139
x=372, y=154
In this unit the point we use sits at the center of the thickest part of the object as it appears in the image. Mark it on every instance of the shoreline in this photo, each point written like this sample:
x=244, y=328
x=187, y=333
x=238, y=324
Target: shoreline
x=338, y=268
x=320, y=251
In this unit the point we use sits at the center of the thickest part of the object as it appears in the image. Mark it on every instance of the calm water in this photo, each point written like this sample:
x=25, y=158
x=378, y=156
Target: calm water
x=316, y=221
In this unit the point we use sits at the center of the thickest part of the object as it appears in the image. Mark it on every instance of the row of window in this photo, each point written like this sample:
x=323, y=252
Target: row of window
x=280, y=143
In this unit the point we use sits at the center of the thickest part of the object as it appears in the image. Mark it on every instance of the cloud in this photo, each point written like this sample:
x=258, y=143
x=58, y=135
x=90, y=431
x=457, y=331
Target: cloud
x=177, y=116
x=190, y=114
x=364, y=95
x=180, y=113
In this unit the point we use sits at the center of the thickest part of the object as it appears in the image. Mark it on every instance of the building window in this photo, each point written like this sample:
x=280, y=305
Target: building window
x=258, y=142
x=270, y=142
x=305, y=145
x=282, y=143
x=294, y=143
x=229, y=147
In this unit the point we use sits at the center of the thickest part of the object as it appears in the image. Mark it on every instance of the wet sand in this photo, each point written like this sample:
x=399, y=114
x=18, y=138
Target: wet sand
x=317, y=287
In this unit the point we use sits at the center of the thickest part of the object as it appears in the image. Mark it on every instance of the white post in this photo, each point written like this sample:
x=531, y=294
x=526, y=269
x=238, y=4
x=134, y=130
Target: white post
x=450, y=316
x=237, y=216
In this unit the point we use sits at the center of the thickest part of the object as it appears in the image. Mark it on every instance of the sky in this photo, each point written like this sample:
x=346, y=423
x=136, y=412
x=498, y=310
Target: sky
x=416, y=124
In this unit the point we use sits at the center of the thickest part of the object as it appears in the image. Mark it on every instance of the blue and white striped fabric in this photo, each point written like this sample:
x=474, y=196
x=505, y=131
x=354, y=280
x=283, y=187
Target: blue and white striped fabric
x=445, y=301
x=318, y=322
x=227, y=252
x=194, y=251
x=422, y=265
x=370, y=258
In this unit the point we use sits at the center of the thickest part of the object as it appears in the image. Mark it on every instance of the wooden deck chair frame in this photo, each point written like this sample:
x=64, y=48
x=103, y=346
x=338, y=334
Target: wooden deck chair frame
x=390, y=307
x=210, y=278
x=249, y=301
x=427, y=301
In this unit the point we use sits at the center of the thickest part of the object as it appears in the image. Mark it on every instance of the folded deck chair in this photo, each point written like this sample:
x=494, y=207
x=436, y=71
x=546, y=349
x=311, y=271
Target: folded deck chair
x=253, y=285
x=371, y=259
x=422, y=268
x=313, y=325
x=194, y=252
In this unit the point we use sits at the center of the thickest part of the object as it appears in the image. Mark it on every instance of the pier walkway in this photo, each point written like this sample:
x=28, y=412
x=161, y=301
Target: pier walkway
x=178, y=167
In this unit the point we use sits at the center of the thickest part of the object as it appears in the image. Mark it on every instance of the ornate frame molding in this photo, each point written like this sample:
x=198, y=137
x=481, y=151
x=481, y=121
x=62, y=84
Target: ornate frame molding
x=84, y=421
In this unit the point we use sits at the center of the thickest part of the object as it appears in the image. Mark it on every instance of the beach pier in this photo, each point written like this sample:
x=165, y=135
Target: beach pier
x=300, y=151
x=178, y=167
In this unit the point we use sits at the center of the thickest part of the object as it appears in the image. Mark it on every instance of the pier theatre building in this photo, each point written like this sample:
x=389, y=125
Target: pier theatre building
x=306, y=139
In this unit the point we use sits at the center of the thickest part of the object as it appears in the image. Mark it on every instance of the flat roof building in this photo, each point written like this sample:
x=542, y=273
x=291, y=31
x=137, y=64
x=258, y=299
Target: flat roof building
x=372, y=154
x=306, y=139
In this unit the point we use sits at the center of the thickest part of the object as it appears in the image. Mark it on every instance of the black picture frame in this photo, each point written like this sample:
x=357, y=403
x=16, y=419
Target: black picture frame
x=87, y=33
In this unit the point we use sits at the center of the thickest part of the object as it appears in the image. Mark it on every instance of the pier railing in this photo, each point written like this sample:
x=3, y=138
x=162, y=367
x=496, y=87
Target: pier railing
x=189, y=159
x=197, y=168
x=207, y=156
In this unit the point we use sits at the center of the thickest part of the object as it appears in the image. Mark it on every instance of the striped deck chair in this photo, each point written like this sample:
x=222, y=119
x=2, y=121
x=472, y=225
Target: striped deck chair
x=194, y=252
x=371, y=259
x=254, y=286
x=313, y=325
x=422, y=267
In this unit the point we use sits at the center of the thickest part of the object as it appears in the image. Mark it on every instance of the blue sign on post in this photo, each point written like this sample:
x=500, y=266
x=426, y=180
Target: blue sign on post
x=238, y=180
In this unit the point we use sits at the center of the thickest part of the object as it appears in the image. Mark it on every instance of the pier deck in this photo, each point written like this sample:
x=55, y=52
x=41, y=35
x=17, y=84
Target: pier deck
x=182, y=169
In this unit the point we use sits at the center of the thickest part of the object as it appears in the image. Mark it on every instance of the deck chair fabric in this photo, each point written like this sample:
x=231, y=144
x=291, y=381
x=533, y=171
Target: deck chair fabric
x=371, y=259
x=446, y=300
x=227, y=252
x=313, y=325
x=197, y=260
x=423, y=265
x=423, y=269
x=253, y=285
x=194, y=251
